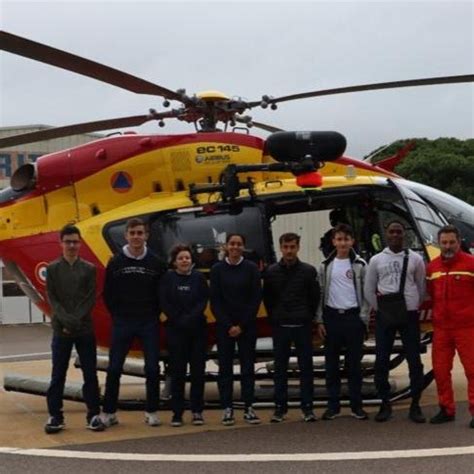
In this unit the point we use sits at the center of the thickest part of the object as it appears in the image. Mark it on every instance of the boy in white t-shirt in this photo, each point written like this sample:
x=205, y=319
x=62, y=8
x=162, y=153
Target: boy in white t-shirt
x=343, y=317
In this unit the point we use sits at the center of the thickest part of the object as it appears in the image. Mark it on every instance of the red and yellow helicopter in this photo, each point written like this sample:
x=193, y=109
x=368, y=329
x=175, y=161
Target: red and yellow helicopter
x=199, y=186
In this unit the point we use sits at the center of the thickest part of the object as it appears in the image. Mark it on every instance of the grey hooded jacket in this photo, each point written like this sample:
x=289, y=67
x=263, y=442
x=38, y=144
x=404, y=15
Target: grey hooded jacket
x=358, y=270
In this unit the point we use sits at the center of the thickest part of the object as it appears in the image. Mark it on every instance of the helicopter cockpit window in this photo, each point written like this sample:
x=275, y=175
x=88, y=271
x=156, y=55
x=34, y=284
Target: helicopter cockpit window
x=207, y=233
x=411, y=238
x=428, y=221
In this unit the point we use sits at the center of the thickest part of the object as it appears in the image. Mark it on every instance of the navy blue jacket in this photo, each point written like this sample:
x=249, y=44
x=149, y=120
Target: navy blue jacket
x=236, y=293
x=183, y=299
x=131, y=286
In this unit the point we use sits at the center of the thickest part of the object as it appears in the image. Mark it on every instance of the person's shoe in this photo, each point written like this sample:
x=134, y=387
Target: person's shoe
x=251, y=417
x=441, y=417
x=330, y=414
x=471, y=424
x=198, y=419
x=151, y=419
x=228, y=417
x=95, y=424
x=54, y=425
x=176, y=421
x=360, y=414
x=385, y=412
x=109, y=419
x=415, y=414
x=278, y=415
x=309, y=416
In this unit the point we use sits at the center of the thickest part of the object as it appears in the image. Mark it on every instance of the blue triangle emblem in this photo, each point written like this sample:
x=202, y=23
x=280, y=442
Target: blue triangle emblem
x=121, y=181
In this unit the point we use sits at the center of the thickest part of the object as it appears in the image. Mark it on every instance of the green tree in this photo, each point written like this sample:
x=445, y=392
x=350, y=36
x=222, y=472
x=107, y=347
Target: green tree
x=445, y=163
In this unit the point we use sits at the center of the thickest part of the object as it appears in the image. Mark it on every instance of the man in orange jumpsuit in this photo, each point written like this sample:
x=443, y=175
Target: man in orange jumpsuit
x=451, y=287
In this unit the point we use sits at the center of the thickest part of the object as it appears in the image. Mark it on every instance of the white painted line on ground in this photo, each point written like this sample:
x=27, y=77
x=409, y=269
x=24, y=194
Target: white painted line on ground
x=290, y=457
x=21, y=356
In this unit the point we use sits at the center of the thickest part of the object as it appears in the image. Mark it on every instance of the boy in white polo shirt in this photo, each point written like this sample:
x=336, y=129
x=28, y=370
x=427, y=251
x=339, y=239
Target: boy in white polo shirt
x=343, y=316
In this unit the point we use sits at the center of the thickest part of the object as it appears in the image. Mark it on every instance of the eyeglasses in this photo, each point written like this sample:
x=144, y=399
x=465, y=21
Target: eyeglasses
x=71, y=242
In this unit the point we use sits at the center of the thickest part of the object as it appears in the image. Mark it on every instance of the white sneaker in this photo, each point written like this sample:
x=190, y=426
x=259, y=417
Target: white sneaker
x=151, y=419
x=109, y=419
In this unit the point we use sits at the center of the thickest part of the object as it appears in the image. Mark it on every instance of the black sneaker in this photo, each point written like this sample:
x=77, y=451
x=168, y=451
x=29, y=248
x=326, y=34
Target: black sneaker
x=385, y=412
x=95, y=424
x=309, y=416
x=54, y=425
x=228, y=417
x=198, y=419
x=251, y=417
x=360, y=414
x=471, y=424
x=441, y=417
x=415, y=414
x=176, y=421
x=330, y=414
x=278, y=415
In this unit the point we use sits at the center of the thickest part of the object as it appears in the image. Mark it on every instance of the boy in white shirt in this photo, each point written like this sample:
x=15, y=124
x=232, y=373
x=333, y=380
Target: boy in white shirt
x=343, y=316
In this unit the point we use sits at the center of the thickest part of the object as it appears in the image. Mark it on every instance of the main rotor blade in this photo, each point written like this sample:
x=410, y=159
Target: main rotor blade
x=56, y=57
x=80, y=128
x=372, y=87
x=263, y=126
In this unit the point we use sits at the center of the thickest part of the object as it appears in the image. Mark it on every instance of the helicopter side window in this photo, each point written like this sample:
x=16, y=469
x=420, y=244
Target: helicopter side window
x=207, y=233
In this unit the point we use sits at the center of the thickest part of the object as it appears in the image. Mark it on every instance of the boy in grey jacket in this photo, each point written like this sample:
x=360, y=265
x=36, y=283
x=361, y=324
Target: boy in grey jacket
x=343, y=316
x=383, y=277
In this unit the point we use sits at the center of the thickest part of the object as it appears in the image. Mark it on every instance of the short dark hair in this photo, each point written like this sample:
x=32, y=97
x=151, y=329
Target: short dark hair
x=177, y=249
x=343, y=229
x=289, y=237
x=69, y=229
x=450, y=229
x=135, y=222
x=235, y=234
x=395, y=221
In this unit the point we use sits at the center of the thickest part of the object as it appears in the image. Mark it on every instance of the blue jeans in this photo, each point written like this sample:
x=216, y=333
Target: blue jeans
x=343, y=330
x=301, y=337
x=187, y=346
x=246, y=351
x=61, y=348
x=123, y=333
x=384, y=339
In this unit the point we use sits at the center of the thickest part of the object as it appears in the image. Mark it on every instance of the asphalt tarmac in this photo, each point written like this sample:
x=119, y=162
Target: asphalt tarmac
x=338, y=446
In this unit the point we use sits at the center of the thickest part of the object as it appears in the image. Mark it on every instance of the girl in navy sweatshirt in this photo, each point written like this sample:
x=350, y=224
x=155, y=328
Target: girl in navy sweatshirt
x=235, y=297
x=183, y=296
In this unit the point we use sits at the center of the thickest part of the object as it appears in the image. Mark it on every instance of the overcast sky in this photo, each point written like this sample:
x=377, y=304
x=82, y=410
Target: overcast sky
x=248, y=49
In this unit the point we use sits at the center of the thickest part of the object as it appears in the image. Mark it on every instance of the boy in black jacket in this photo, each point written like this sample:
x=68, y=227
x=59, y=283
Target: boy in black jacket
x=131, y=295
x=291, y=296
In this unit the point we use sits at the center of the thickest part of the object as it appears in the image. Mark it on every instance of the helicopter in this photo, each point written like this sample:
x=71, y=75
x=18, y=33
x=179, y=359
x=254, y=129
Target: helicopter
x=198, y=187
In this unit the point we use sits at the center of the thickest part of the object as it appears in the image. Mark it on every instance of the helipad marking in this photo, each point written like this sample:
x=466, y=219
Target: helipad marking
x=233, y=458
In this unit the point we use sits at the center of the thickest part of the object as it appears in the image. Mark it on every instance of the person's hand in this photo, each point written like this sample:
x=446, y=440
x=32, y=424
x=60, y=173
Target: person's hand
x=321, y=331
x=235, y=331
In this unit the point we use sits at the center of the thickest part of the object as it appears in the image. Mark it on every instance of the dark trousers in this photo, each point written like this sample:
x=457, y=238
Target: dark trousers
x=61, y=348
x=246, y=352
x=187, y=346
x=343, y=330
x=283, y=338
x=384, y=339
x=123, y=334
